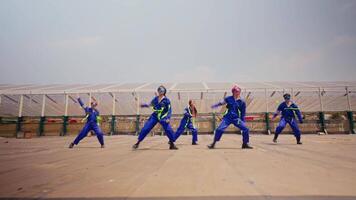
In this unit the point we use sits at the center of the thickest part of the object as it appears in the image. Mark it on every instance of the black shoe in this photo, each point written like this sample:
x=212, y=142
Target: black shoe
x=299, y=142
x=102, y=146
x=172, y=146
x=71, y=145
x=135, y=146
x=194, y=143
x=211, y=146
x=274, y=140
x=246, y=146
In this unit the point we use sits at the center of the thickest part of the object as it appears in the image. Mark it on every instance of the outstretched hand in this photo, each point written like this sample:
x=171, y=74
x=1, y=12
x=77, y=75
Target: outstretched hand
x=144, y=105
x=214, y=106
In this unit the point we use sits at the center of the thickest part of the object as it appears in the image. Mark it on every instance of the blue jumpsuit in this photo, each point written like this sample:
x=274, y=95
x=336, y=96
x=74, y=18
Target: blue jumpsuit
x=91, y=124
x=235, y=114
x=162, y=113
x=187, y=122
x=289, y=115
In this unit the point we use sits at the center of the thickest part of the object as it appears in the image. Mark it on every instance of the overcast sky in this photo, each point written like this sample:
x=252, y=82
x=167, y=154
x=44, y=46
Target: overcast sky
x=102, y=41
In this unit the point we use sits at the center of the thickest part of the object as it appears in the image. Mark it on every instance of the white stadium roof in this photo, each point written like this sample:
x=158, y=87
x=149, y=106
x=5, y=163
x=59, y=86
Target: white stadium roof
x=123, y=98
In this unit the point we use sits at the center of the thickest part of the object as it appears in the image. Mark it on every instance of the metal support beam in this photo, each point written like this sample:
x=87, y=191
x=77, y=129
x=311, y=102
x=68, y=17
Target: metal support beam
x=43, y=105
x=66, y=105
x=20, y=106
x=320, y=100
x=213, y=122
x=266, y=100
x=113, y=104
x=137, y=124
x=348, y=99
x=138, y=104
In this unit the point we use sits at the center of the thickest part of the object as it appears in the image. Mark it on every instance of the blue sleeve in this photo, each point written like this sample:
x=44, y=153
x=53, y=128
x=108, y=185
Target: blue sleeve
x=86, y=109
x=243, y=111
x=220, y=103
x=278, y=109
x=152, y=102
x=81, y=102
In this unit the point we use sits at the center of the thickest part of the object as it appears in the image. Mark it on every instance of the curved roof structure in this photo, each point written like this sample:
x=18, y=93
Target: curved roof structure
x=124, y=98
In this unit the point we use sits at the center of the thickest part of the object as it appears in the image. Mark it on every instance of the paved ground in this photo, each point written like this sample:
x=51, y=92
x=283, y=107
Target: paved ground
x=324, y=167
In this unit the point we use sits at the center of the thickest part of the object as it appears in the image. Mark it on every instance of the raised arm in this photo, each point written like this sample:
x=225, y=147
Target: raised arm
x=146, y=105
x=221, y=103
x=82, y=104
x=278, y=111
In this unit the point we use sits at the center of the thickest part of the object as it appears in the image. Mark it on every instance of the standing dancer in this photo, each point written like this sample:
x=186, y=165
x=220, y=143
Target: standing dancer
x=290, y=112
x=235, y=114
x=92, y=117
x=161, y=113
x=190, y=114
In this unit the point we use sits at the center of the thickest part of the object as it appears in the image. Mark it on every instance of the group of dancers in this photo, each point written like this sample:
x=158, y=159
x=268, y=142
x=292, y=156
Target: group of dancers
x=162, y=111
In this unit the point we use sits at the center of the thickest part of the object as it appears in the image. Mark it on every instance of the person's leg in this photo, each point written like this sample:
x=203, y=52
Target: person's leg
x=245, y=133
x=279, y=129
x=180, y=129
x=219, y=131
x=81, y=135
x=151, y=122
x=99, y=134
x=169, y=132
x=293, y=124
x=194, y=130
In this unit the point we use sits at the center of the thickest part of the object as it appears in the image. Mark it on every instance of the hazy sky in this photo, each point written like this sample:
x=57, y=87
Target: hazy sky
x=102, y=41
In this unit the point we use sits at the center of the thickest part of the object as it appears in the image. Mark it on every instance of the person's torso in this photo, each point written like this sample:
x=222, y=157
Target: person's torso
x=92, y=115
x=288, y=112
x=233, y=107
x=160, y=108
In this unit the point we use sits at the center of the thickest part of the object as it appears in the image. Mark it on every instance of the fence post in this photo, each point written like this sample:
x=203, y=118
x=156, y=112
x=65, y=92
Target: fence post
x=268, y=128
x=350, y=117
x=322, y=122
x=65, y=124
x=19, y=124
x=41, y=126
x=137, y=124
x=113, y=125
x=214, y=122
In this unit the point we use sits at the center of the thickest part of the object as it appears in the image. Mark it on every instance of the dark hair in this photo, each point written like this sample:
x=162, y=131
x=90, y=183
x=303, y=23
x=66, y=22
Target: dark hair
x=192, y=108
x=286, y=96
x=161, y=87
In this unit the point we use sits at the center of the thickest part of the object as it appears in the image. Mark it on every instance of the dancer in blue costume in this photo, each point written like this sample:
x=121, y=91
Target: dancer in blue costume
x=235, y=114
x=92, y=124
x=290, y=112
x=187, y=121
x=162, y=112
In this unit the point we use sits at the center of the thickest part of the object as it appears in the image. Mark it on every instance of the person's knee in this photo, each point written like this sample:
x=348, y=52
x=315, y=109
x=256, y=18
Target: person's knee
x=245, y=129
x=280, y=127
x=220, y=130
